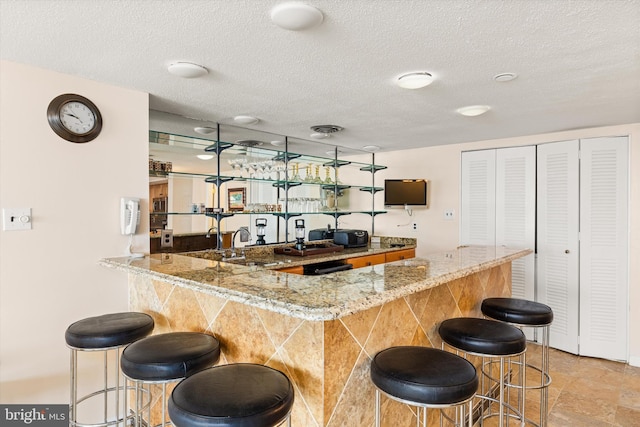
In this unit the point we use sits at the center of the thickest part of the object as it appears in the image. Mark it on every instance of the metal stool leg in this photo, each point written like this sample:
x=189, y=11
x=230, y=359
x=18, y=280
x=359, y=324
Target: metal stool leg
x=105, y=390
x=377, y=414
x=545, y=379
x=73, y=387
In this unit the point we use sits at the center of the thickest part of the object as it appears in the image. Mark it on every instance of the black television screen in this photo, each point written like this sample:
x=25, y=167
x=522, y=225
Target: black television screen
x=400, y=192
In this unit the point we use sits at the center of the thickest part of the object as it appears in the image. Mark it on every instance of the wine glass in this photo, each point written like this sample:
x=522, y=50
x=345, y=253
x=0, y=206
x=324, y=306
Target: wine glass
x=234, y=166
x=280, y=167
x=296, y=175
x=308, y=177
x=327, y=174
x=317, y=179
x=244, y=166
x=268, y=168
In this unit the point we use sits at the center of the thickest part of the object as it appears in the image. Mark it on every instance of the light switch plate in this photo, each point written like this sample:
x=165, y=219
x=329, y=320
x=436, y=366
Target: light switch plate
x=16, y=219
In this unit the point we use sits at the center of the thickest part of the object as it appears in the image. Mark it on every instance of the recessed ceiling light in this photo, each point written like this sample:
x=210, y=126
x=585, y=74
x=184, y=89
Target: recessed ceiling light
x=277, y=143
x=187, y=70
x=414, y=80
x=504, y=77
x=205, y=130
x=320, y=135
x=333, y=152
x=246, y=120
x=473, y=110
x=296, y=16
x=371, y=148
x=205, y=156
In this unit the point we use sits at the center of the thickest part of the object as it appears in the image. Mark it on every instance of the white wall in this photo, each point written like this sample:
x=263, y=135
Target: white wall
x=441, y=166
x=49, y=276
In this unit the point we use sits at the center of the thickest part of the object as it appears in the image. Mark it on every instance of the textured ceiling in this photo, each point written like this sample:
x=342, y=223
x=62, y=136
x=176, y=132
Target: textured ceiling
x=578, y=62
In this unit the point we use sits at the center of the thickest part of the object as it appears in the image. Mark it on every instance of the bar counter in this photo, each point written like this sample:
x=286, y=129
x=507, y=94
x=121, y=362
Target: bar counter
x=322, y=331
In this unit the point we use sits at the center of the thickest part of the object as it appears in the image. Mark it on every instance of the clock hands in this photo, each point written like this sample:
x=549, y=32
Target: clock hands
x=74, y=116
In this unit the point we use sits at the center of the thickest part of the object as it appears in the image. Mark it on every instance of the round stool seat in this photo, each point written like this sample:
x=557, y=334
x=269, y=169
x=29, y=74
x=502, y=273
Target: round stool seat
x=109, y=330
x=169, y=356
x=517, y=311
x=482, y=336
x=424, y=375
x=237, y=395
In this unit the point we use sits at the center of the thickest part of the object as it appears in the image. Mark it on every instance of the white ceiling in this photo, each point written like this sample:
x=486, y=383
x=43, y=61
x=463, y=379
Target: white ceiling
x=578, y=62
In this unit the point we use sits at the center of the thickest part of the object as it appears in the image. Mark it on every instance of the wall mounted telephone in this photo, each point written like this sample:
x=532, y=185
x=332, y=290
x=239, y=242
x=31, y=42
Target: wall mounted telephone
x=129, y=215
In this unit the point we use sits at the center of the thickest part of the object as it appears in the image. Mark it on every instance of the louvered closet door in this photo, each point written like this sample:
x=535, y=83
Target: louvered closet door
x=478, y=202
x=516, y=213
x=603, y=247
x=557, y=233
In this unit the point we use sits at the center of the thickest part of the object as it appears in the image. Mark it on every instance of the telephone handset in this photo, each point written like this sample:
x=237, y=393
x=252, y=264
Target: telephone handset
x=129, y=215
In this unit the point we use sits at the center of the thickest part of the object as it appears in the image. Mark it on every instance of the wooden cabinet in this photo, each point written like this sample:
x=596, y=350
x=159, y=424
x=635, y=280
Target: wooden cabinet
x=365, y=261
x=400, y=255
x=293, y=270
x=158, y=190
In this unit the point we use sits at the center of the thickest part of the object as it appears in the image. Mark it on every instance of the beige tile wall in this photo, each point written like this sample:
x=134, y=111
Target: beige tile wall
x=328, y=362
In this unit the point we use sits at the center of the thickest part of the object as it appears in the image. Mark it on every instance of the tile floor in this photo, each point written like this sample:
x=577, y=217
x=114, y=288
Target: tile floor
x=588, y=392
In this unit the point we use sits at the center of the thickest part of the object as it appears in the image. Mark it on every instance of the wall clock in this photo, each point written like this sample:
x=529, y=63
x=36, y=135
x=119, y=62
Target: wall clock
x=74, y=118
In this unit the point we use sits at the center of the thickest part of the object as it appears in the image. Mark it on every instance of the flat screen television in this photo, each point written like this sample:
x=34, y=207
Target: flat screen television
x=401, y=192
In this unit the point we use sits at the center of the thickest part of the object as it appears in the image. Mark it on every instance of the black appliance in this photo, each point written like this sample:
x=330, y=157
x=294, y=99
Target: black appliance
x=351, y=238
x=325, y=268
x=321, y=233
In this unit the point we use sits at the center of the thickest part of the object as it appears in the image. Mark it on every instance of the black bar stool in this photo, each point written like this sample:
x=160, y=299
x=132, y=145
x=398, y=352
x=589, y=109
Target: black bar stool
x=163, y=359
x=531, y=314
x=236, y=395
x=489, y=339
x=109, y=332
x=425, y=378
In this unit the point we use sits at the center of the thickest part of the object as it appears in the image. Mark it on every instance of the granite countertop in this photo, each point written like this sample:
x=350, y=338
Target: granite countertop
x=266, y=258
x=317, y=298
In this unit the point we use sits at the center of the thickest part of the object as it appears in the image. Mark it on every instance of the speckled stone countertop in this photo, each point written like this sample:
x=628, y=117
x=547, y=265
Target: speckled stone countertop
x=317, y=298
x=265, y=257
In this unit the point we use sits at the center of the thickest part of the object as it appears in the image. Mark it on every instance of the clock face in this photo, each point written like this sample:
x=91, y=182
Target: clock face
x=74, y=118
x=77, y=117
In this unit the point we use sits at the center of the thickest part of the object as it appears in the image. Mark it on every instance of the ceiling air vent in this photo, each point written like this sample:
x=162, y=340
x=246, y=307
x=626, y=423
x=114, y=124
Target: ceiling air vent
x=326, y=128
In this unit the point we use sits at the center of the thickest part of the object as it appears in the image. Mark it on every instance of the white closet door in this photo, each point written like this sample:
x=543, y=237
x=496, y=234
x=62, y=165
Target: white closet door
x=557, y=229
x=478, y=203
x=516, y=212
x=603, y=247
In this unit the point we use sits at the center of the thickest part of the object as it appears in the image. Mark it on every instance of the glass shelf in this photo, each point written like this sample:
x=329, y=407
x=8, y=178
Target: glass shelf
x=212, y=179
x=200, y=145
x=267, y=161
x=227, y=214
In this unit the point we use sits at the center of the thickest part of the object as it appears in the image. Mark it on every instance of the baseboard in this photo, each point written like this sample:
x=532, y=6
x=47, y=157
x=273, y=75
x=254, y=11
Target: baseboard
x=634, y=361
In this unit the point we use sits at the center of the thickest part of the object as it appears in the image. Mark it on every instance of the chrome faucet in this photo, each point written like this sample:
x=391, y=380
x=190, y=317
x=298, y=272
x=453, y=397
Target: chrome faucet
x=208, y=236
x=245, y=236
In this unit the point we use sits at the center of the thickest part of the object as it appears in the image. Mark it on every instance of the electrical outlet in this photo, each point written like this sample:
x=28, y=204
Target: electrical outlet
x=166, y=238
x=414, y=226
x=449, y=214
